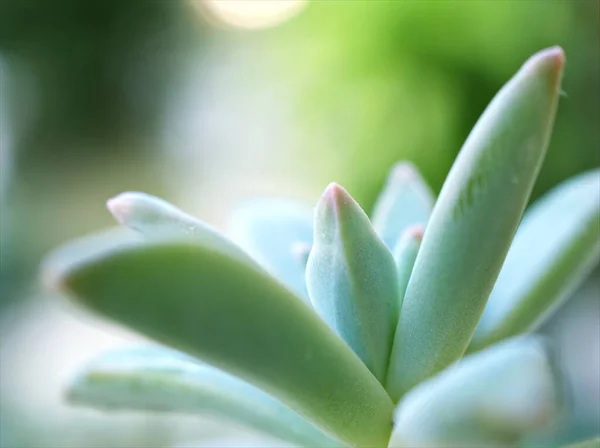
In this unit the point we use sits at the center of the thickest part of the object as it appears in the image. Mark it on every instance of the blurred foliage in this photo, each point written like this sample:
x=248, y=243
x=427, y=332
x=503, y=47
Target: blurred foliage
x=375, y=82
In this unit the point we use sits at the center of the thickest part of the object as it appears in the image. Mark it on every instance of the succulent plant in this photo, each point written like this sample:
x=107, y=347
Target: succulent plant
x=410, y=329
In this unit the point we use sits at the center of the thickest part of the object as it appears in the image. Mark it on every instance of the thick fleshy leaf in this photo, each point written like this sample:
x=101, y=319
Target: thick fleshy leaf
x=405, y=255
x=473, y=223
x=209, y=299
x=492, y=398
x=405, y=201
x=591, y=443
x=555, y=248
x=151, y=378
x=351, y=279
x=271, y=230
x=152, y=216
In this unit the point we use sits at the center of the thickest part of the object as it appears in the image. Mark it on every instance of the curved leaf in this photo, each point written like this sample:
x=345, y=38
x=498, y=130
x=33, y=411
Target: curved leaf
x=405, y=255
x=591, y=443
x=492, y=398
x=207, y=298
x=351, y=279
x=270, y=230
x=152, y=216
x=555, y=248
x=406, y=200
x=158, y=379
x=473, y=222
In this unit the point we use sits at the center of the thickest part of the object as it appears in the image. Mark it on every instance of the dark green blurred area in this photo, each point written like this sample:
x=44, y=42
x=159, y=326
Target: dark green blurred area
x=86, y=90
x=98, y=72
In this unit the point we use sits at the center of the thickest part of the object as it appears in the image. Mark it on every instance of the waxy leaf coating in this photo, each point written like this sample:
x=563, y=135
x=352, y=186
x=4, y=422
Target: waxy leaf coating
x=351, y=279
x=473, y=222
x=152, y=216
x=207, y=298
x=492, y=398
x=405, y=201
x=152, y=378
x=555, y=248
x=272, y=231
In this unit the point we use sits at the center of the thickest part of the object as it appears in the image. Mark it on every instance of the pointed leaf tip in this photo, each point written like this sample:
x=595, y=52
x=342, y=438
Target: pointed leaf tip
x=549, y=61
x=336, y=196
x=152, y=216
x=474, y=220
x=406, y=200
x=351, y=279
x=403, y=172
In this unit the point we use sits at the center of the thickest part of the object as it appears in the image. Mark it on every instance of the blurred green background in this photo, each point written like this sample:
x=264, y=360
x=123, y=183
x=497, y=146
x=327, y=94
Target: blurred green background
x=209, y=102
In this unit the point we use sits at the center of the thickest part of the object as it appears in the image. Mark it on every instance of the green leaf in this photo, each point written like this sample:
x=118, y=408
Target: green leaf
x=591, y=443
x=405, y=255
x=555, y=248
x=271, y=231
x=207, y=298
x=473, y=223
x=152, y=216
x=158, y=379
x=351, y=279
x=405, y=201
x=492, y=398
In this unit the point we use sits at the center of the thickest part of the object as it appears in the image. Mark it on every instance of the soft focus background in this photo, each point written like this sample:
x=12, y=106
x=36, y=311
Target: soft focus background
x=209, y=102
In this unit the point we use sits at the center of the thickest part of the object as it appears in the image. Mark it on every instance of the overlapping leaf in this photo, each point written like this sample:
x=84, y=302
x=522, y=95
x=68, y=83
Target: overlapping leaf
x=473, y=222
x=493, y=398
x=207, y=298
x=556, y=246
x=275, y=232
x=405, y=201
x=351, y=279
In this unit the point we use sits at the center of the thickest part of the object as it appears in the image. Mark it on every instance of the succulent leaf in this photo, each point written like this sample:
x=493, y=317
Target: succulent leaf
x=474, y=221
x=406, y=200
x=556, y=246
x=271, y=231
x=492, y=398
x=405, y=255
x=208, y=298
x=351, y=279
x=152, y=378
x=152, y=216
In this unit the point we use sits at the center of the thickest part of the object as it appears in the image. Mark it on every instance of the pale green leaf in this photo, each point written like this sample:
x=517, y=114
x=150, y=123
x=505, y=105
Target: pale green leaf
x=405, y=201
x=351, y=279
x=473, y=223
x=492, y=398
x=152, y=216
x=555, y=248
x=272, y=231
x=151, y=378
x=207, y=298
x=405, y=255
